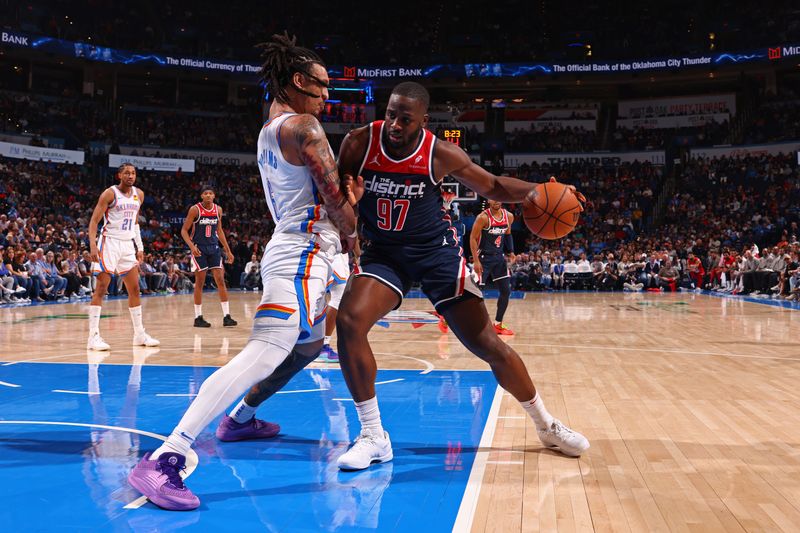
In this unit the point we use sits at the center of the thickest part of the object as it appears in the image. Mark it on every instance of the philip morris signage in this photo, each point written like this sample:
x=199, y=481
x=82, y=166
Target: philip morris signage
x=161, y=164
x=41, y=153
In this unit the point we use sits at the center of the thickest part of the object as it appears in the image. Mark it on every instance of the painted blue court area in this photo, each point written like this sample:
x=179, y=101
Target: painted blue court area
x=70, y=474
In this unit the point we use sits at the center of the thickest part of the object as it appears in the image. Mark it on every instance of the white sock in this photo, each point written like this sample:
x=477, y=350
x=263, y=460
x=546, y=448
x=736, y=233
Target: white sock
x=327, y=340
x=136, y=318
x=198, y=310
x=178, y=442
x=226, y=308
x=257, y=360
x=370, y=417
x=537, y=411
x=243, y=412
x=94, y=319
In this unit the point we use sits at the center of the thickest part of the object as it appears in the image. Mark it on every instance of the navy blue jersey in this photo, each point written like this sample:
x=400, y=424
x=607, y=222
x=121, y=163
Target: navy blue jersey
x=492, y=235
x=402, y=202
x=204, y=230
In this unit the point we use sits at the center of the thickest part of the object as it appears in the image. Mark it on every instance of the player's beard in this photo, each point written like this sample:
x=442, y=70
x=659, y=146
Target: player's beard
x=403, y=143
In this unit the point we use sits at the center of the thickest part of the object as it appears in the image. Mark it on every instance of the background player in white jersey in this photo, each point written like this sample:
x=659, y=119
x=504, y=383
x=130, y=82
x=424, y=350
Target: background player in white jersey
x=314, y=222
x=205, y=222
x=114, y=253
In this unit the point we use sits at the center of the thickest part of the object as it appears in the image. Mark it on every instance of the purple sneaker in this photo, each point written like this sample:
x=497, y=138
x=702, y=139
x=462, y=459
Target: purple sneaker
x=161, y=482
x=327, y=355
x=230, y=430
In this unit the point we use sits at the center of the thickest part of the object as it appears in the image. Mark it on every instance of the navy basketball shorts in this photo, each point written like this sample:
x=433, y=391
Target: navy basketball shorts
x=210, y=257
x=438, y=266
x=494, y=268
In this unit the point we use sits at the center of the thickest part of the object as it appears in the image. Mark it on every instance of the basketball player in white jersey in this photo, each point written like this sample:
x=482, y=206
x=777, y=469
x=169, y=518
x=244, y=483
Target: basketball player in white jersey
x=118, y=251
x=314, y=223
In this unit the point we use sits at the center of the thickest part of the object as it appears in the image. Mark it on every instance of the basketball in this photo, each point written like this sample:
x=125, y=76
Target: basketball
x=551, y=210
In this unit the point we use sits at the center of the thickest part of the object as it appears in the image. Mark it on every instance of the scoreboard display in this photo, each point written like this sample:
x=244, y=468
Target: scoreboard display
x=457, y=136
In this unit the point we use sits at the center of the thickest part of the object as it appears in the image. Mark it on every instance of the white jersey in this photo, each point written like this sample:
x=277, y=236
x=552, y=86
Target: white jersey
x=290, y=191
x=121, y=216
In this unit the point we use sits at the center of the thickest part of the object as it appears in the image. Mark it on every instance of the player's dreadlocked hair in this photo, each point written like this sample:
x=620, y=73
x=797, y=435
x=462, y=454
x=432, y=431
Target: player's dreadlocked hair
x=282, y=58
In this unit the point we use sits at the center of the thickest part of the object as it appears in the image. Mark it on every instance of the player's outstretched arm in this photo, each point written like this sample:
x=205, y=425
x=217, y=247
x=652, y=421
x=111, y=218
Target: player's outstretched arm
x=451, y=160
x=312, y=147
x=194, y=212
x=97, y=215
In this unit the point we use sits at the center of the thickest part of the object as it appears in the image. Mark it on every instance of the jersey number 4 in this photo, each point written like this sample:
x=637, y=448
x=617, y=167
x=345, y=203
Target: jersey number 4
x=386, y=210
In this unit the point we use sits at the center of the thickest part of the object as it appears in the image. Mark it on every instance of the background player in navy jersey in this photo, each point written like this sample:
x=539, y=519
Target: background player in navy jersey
x=205, y=223
x=489, y=241
x=407, y=237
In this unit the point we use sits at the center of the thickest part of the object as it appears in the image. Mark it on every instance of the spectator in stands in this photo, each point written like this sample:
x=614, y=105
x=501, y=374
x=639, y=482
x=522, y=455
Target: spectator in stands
x=546, y=278
x=668, y=277
x=40, y=285
x=649, y=275
x=10, y=291
x=72, y=279
x=253, y=263
x=557, y=272
x=610, y=279
x=251, y=277
x=51, y=273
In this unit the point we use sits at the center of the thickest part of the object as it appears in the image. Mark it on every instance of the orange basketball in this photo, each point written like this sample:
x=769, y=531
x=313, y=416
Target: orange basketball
x=551, y=210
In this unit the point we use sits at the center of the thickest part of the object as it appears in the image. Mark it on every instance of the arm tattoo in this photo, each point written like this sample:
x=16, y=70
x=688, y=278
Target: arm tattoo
x=316, y=155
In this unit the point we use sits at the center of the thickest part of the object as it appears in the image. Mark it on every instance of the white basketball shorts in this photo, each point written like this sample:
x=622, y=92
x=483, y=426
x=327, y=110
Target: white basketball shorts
x=116, y=256
x=295, y=271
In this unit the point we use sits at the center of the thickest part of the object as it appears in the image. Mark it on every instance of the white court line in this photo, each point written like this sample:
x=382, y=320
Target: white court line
x=376, y=383
x=428, y=366
x=191, y=455
x=78, y=354
x=88, y=393
x=389, y=381
x=466, y=511
x=6, y=384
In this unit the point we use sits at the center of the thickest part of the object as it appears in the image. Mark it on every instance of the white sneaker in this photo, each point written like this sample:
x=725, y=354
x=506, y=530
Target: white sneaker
x=366, y=450
x=96, y=342
x=143, y=339
x=559, y=436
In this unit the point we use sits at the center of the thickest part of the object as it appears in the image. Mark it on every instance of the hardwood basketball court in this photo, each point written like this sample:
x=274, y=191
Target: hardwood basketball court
x=690, y=401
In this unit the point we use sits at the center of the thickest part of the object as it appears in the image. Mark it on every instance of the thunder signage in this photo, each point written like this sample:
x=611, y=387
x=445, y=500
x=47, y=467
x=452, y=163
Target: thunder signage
x=18, y=39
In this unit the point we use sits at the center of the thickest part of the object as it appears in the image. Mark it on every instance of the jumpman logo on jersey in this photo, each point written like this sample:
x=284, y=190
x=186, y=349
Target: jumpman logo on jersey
x=375, y=161
x=444, y=241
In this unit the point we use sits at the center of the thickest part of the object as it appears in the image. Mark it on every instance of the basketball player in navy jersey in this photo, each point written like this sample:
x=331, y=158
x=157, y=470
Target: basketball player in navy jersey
x=205, y=222
x=407, y=237
x=489, y=240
